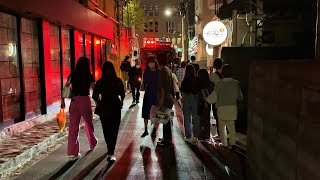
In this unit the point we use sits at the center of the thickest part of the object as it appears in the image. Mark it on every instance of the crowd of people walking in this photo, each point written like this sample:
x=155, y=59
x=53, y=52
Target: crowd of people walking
x=164, y=81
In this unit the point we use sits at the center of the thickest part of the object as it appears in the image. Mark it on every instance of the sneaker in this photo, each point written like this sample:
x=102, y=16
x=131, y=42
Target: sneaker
x=73, y=157
x=164, y=143
x=111, y=158
x=133, y=102
x=145, y=134
x=191, y=141
x=138, y=102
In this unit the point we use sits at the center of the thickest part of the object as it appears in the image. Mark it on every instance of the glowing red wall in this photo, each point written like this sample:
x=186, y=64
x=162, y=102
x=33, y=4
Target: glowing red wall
x=47, y=61
x=66, y=12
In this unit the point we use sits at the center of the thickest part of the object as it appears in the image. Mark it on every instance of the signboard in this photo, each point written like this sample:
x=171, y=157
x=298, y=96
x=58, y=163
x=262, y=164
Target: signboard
x=209, y=50
x=215, y=33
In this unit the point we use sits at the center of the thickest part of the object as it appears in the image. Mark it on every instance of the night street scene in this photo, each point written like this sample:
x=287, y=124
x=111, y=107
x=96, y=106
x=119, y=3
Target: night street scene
x=159, y=89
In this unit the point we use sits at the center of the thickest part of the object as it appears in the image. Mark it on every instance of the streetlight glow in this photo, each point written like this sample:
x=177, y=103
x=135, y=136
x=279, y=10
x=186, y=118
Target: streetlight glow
x=168, y=12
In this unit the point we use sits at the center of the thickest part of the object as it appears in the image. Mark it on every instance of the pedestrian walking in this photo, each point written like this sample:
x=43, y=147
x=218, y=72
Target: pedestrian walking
x=135, y=77
x=81, y=80
x=204, y=108
x=228, y=93
x=109, y=94
x=195, y=65
x=165, y=95
x=189, y=89
x=150, y=83
x=215, y=78
x=125, y=68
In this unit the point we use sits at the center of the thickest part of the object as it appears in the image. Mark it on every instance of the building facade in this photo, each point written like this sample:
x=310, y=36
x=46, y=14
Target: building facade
x=40, y=44
x=163, y=22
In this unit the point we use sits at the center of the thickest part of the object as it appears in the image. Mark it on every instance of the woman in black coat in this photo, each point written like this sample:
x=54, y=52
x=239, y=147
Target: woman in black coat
x=109, y=94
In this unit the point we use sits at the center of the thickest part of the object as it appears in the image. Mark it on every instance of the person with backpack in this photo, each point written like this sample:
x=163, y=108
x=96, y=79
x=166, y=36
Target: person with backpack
x=215, y=78
x=125, y=68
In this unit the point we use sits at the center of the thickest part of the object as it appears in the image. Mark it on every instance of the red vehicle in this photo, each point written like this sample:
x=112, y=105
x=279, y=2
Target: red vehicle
x=153, y=49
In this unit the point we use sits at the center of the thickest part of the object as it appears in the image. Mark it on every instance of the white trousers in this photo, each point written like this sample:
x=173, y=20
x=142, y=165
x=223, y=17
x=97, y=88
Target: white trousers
x=230, y=124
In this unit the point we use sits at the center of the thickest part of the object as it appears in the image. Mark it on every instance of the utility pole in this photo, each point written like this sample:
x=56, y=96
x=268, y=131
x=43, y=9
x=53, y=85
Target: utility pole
x=185, y=27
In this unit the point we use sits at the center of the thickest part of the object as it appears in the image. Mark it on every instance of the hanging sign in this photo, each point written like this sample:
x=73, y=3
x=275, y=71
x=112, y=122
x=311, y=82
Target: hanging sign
x=209, y=50
x=215, y=33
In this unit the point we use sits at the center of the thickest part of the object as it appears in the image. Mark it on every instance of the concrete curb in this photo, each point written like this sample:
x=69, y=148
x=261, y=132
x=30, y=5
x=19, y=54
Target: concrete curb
x=14, y=163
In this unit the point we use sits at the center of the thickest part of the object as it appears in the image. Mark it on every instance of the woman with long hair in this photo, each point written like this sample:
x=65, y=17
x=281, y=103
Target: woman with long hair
x=204, y=108
x=81, y=80
x=189, y=89
x=109, y=94
x=150, y=82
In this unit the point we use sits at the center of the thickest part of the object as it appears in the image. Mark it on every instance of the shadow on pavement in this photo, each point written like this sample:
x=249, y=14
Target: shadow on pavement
x=103, y=170
x=90, y=167
x=61, y=171
x=122, y=167
x=167, y=161
x=147, y=160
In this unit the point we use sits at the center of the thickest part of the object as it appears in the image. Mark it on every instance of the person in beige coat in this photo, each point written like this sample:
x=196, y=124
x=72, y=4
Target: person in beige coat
x=228, y=94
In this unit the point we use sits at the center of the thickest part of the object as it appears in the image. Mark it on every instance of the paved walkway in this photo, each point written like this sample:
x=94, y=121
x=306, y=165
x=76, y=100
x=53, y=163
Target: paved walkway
x=138, y=158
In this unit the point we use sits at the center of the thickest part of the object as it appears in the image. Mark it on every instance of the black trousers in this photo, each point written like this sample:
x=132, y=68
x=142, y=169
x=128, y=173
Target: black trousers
x=135, y=89
x=110, y=121
x=205, y=123
x=167, y=133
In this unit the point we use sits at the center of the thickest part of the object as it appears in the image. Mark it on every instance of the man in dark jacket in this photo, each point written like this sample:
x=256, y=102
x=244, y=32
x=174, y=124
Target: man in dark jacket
x=125, y=68
x=135, y=75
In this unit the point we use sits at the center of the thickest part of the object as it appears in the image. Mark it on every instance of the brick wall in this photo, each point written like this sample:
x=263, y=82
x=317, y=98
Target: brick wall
x=284, y=120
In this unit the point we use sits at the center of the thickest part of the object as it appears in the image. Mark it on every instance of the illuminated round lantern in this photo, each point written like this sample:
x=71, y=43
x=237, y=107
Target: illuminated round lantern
x=215, y=33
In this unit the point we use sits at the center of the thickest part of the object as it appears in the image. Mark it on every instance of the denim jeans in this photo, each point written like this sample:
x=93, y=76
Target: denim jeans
x=190, y=113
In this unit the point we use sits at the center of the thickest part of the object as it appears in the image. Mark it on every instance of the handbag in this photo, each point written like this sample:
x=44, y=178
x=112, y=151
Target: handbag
x=161, y=115
x=67, y=90
x=61, y=120
x=212, y=98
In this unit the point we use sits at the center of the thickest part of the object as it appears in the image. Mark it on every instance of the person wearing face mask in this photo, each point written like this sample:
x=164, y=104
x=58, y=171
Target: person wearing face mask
x=150, y=82
x=135, y=75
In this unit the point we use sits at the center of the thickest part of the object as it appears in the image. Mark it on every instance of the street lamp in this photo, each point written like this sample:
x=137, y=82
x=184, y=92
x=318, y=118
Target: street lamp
x=168, y=12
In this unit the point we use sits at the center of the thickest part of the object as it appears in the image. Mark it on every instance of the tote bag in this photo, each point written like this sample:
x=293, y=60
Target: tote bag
x=67, y=90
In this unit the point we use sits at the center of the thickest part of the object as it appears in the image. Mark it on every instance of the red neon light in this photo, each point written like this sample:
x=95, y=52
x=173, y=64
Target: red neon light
x=152, y=42
x=148, y=42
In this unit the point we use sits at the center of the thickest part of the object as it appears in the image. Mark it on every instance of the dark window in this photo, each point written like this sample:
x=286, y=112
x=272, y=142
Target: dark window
x=150, y=10
x=156, y=26
x=150, y=26
x=156, y=10
x=145, y=27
